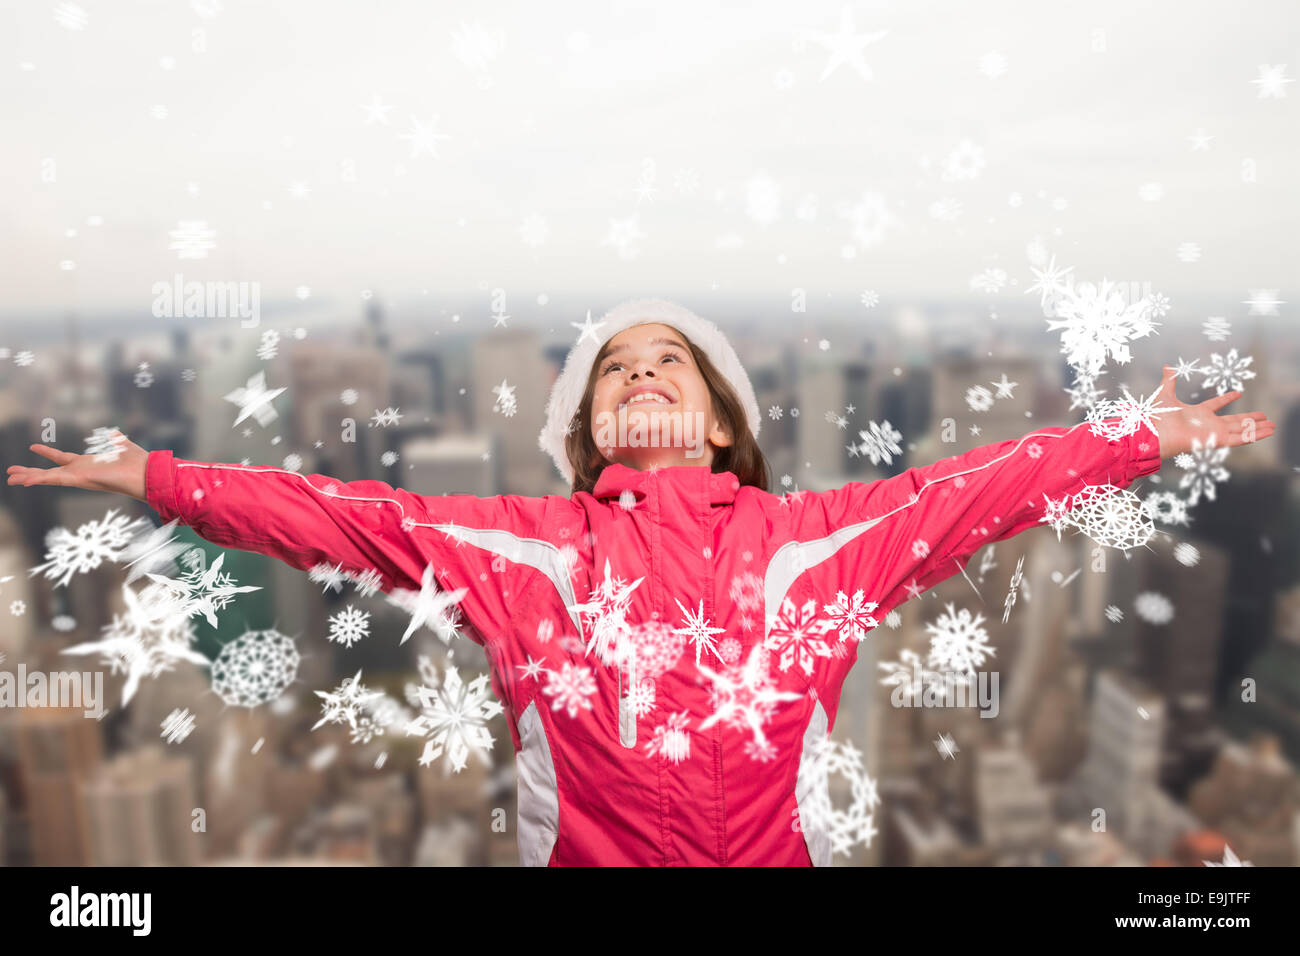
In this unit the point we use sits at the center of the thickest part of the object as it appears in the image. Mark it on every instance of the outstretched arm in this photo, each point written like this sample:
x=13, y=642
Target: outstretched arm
x=896, y=537
x=360, y=528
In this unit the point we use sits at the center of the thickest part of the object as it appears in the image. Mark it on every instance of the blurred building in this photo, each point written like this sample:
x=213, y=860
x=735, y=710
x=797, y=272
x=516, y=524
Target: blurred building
x=1252, y=797
x=453, y=465
x=1013, y=811
x=58, y=750
x=1121, y=772
x=512, y=357
x=140, y=811
x=1179, y=658
x=334, y=389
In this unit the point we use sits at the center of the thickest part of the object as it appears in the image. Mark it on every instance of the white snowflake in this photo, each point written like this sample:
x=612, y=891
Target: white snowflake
x=851, y=617
x=1216, y=328
x=1154, y=608
x=146, y=640
x=94, y=543
x=423, y=138
x=947, y=747
x=1263, y=301
x=429, y=607
x=1084, y=393
x=1113, y=517
x=270, y=345
x=958, y=642
x=1051, y=282
x=641, y=697
x=388, y=459
x=345, y=702
x=1165, y=507
x=853, y=824
x=1131, y=414
x=990, y=280
x=331, y=576
x=913, y=678
x=1097, y=322
x=963, y=163
x=385, y=417
x=349, y=626
x=454, y=717
x=204, y=591
x=1204, y=466
x=192, y=238
x=746, y=591
x=1227, y=372
x=1229, y=859
x=798, y=634
x=255, y=668
x=367, y=582
x=671, y=739
x=505, y=403
x=605, y=616
x=979, y=398
x=570, y=688
x=177, y=725
x=105, y=444
x=1272, y=81
x=154, y=549
x=698, y=631
x=880, y=442
x=745, y=696
x=1057, y=514
x=254, y=399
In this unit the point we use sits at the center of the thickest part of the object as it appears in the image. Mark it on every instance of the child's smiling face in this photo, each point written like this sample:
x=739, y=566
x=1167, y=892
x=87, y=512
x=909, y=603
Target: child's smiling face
x=676, y=424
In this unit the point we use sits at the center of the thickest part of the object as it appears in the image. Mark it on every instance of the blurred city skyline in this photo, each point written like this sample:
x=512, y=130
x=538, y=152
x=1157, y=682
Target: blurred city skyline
x=1078, y=659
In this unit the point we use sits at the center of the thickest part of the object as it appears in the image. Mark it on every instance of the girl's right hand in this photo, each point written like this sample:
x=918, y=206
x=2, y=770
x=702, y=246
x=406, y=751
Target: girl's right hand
x=124, y=476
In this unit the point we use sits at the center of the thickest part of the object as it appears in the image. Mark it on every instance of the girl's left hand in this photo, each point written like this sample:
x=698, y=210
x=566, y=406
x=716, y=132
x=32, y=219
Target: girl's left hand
x=1177, y=428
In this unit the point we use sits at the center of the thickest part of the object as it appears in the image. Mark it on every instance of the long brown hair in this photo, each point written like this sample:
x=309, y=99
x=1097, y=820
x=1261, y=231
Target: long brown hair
x=742, y=457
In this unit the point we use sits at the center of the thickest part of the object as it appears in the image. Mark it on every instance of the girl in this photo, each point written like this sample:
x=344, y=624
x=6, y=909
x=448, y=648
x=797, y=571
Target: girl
x=668, y=642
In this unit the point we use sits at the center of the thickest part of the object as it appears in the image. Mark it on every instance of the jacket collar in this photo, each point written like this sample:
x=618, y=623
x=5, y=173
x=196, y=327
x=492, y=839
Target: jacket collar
x=688, y=480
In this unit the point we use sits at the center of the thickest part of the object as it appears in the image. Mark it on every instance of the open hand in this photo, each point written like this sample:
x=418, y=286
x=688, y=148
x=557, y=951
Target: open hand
x=1201, y=421
x=123, y=476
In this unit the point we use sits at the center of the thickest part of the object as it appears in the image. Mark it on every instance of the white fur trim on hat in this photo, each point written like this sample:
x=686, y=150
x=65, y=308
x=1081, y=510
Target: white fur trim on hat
x=567, y=391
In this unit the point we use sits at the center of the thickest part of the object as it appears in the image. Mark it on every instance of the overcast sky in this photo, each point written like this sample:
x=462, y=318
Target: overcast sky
x=958, y=134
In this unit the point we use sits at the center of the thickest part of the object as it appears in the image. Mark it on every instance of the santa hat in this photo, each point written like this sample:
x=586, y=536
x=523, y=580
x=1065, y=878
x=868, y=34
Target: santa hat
x=567, y=391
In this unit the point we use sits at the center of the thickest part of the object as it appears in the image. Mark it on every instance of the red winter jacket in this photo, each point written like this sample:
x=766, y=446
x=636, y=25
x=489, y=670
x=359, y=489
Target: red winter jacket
x=670, y=765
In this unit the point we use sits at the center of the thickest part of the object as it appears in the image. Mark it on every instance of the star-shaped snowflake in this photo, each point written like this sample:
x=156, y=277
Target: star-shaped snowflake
x=605, y=613
x=745, y=696
x=697, y=629
x=344, y=702
x=429, y=607
x=255, y=399
x=205, y=592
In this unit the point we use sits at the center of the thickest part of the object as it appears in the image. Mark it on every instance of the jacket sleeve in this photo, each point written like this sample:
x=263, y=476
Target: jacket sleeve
x=895, y=537
x=358, y=528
